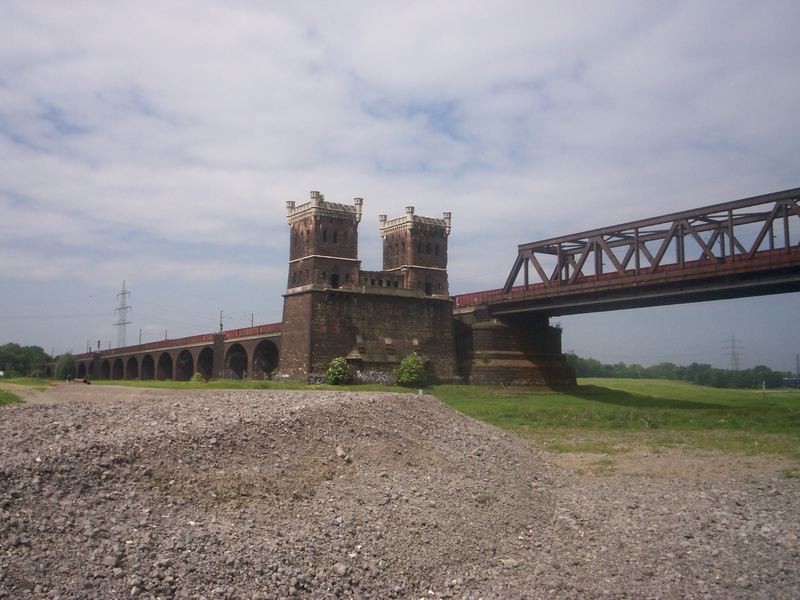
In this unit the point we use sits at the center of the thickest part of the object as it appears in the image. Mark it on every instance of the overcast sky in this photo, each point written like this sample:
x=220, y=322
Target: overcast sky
x=157, y=143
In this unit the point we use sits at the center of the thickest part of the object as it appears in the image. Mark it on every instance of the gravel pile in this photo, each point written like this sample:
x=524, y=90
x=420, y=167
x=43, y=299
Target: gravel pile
x=116, y=492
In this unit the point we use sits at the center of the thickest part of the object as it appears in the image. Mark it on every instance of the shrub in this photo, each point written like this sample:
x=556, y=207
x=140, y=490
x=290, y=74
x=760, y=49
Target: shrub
x=196, y=377
x=411, y=371
x=338, y=372
x=65, y=365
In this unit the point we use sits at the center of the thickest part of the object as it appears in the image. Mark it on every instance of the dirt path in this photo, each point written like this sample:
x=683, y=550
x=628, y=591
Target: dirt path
x=128, y=492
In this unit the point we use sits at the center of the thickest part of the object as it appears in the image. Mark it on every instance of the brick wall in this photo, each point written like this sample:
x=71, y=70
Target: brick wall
x=374, y=330
x=295, y=334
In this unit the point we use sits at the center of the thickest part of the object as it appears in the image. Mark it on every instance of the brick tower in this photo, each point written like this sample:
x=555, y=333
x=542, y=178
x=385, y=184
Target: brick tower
x=416, y=247
x=323, y=249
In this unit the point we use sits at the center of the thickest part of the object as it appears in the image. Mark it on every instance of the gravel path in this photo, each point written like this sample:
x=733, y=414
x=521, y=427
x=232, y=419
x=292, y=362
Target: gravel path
x=127, y=492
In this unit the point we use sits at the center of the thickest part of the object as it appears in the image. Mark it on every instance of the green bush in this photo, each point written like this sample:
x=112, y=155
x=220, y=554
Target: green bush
x=411, y=371
x=65, y=365
x=338, y=372
x=197, y=377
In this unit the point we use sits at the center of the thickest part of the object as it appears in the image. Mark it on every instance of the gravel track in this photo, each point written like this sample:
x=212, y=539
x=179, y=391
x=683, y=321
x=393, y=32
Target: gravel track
x=129, y=492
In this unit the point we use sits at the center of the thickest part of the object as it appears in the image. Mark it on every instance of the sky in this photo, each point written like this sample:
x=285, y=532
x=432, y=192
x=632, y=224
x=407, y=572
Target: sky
x=157, y=142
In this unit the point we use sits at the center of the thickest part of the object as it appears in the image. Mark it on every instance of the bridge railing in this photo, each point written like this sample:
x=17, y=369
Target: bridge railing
x=732, y=232
x=256, y=330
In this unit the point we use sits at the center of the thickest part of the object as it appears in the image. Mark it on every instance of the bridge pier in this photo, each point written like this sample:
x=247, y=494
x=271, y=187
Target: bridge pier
x=218, y=361
x=519, y=351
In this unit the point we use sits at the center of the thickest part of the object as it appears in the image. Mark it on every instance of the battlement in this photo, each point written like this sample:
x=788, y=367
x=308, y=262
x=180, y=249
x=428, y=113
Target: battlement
x=319, y=207
x=410, y=220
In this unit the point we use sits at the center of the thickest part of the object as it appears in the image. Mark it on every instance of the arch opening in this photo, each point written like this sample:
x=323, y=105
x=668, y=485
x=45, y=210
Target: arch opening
x=236, y=362
x=105, y=370
x=117, y=369
x=184, y=366
x=265, y=360
x=164, y=370
x=205, y=363
x=82, y=371
x=148, y=367
x=132, y=368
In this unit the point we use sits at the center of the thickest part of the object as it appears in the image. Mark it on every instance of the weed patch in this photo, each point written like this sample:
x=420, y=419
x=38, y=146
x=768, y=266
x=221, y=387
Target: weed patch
x=8, y=398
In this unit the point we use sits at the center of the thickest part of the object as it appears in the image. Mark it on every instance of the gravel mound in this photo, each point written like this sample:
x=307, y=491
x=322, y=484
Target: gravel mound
x=124, y=492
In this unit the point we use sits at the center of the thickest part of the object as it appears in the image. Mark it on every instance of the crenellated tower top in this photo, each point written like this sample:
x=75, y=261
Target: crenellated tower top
x=410, y=220
x=317, y=206
x=323, y=249
x=415, y=247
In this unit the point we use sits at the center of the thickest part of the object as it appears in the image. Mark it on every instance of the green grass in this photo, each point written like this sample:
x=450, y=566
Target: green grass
x=8, y=397
x=34, y=382
x=630, y=405
x=605, y=416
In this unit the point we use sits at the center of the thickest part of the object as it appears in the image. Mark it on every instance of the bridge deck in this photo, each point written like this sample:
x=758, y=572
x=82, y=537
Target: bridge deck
x=769, y=271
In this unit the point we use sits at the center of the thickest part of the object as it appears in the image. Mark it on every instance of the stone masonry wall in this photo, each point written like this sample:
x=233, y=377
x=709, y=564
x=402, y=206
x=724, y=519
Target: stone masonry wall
x=374, y=331
x=295, y=335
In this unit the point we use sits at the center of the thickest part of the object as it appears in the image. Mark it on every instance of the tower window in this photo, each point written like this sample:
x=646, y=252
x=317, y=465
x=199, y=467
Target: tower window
x=335, y=241
x=324, y=235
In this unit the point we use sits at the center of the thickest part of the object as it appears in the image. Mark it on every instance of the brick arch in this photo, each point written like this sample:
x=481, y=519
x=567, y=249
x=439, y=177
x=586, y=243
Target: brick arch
x=204, y=363
x=236, y=361
x=82, y=370
x=184, y=366
x=148, y=367
x=105, y=369
x=164, y=367
x=132, y=368
x=265, y=359
x=117, y=369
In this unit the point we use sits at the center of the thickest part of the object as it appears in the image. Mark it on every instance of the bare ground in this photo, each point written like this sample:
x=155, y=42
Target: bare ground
x=129, y=492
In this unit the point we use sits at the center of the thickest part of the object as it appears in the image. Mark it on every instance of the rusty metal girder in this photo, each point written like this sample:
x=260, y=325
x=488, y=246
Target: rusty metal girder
x=709, y=235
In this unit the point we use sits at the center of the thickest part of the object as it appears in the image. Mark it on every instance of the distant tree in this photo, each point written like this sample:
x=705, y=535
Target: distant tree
x=699, y=373
x=22, y=360
x=65, y=365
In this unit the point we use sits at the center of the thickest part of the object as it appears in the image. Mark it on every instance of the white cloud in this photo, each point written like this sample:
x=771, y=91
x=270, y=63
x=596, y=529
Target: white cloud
x=171, y=133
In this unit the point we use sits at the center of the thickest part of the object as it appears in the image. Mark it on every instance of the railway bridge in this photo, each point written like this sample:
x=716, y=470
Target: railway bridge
x=746, y=247
x=250, y=352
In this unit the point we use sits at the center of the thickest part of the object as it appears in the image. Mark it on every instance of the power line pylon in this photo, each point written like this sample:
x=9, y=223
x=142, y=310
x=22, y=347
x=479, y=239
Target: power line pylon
x=122, y=319
x=734, y=351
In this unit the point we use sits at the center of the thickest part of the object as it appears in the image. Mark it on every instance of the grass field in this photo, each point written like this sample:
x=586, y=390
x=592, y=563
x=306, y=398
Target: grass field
x=610, y=415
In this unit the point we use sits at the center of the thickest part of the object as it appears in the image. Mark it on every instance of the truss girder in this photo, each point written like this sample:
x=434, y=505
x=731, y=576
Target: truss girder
x=732, y=232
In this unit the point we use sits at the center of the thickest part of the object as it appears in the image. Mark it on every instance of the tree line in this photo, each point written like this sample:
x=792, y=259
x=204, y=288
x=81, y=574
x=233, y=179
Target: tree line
x=701, y=374
x=23, y=361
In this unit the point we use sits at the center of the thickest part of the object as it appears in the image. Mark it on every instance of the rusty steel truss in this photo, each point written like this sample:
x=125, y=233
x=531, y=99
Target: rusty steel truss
x=641, y=247
x=734, y=249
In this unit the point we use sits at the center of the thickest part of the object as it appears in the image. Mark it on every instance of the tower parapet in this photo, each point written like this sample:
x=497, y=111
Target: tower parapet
x=416, y=247
x=323, y=248
x=319, y=207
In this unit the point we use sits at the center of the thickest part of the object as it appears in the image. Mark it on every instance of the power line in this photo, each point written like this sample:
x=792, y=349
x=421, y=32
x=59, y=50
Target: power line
x=734, y=351
x=122, y=321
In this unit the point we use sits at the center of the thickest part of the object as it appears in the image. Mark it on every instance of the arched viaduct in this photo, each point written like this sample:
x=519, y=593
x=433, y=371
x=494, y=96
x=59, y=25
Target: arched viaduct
x=247, y=353
x=373, y=319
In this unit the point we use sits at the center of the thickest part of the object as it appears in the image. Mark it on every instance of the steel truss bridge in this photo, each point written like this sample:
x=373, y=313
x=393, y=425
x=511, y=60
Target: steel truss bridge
x=747, y=247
